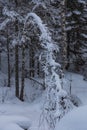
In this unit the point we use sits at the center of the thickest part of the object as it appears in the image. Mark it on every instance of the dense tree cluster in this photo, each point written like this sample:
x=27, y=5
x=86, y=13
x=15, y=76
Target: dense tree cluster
x=41, y=39
x=76, y=33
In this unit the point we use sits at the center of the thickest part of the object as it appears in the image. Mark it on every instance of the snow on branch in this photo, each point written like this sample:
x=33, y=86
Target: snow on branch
x=45, y=35
x=39, y=4
x=13, y=15
x=4, y=23
x=47, y=56
x=82, y=1
x=84, y=35
x=50, y=67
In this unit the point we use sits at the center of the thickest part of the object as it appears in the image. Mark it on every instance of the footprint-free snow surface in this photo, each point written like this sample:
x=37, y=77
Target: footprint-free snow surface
x=17, y=115
x=74, y=120
x=78, y=86
x=13, y=122
x=20, y=116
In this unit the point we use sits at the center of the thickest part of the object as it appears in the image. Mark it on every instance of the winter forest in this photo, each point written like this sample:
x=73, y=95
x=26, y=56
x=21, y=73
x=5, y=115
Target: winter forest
x=43, y=64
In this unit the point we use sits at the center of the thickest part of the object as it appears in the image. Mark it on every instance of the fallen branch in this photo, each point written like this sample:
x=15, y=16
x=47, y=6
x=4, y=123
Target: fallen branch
x=42, y=84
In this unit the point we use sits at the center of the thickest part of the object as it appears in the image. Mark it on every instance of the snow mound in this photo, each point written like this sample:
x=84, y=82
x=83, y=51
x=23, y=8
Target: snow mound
x=75, y=100
x=75, y=120
x=12, y=127
x=13, y=122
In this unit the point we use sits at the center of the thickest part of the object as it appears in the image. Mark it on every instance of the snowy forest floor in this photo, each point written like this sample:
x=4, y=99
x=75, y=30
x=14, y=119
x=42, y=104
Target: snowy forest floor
x=78, y=86
x=17, y=115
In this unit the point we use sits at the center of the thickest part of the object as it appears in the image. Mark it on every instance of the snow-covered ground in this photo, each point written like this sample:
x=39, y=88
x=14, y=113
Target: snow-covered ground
x=78, y=86
x=17, y=115
x=74, y=120
x=77, y=118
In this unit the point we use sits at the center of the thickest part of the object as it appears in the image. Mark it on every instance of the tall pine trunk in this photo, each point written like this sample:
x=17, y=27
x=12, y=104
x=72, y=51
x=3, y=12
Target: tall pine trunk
x=63, y=32
x=23, y=74
x=16, y=71
x=31, y=63
x=0, y=56
x=38, y=68
x=8, y=62
x=16, y=2
x=0, y=61
x=16, y=57
x=68, y=51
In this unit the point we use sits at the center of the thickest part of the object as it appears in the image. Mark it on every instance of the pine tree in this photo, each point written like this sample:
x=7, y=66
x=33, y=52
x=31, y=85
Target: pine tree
x=16, y=63
x=63, y=34
x=57, y=99
x=8, y=58
x=23, y=74
x=76, y=31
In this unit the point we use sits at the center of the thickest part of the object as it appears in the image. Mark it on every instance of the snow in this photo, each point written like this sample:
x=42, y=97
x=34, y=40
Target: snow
x=19, y=116
x=17, y=122
x=76, y=12
x=82, y=1
x=16, y=115
x=45, y=35
x=69, y=28
x=12, y=127
x=14, y=42
x=40, y=24
x=79, y=86
x=75, y=120
x=39, y=4
x=69, y=14
x=50, y=66
x=84, y=35
x=4, y=23
x=13, y=15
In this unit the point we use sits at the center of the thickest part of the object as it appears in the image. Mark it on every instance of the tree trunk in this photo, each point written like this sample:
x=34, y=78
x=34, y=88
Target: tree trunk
x=68, y=51
x=64, y=36
x=38, y=68
x=23, y=74
x=16, y=61
x=16, y=72
x=16, y=3
x=9, y=67
x=31, y=63
x=0, y=60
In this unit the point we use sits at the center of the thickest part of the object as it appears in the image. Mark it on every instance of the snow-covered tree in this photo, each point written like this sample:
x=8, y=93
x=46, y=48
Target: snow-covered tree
x=12, y=18
x=56, y=99
x=76, y=31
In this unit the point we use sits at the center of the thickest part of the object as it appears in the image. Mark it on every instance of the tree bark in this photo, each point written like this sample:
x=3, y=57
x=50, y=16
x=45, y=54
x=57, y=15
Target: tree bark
x=31, y=63
x=0, y=61
x=16, y=3
x=16, y=72
x=23, y=74
x=9, y=67
x=64, y=36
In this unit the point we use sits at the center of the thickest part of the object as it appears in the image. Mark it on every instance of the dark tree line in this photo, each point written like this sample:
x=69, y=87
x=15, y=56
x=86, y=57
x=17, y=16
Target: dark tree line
x=67, y=23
